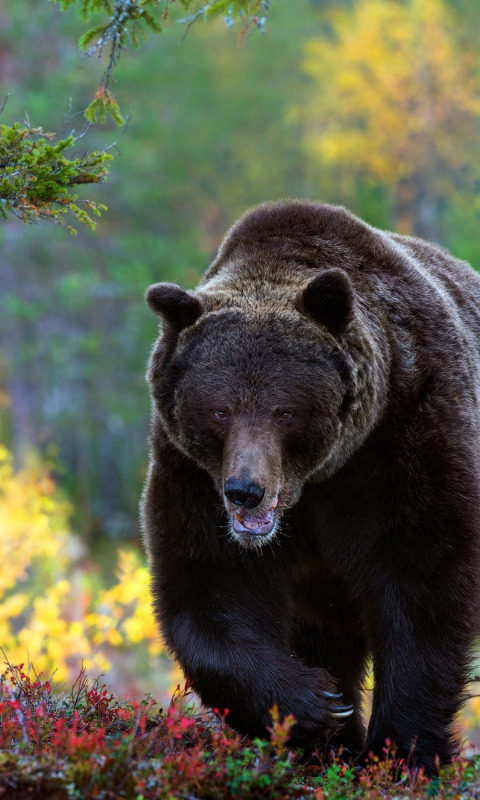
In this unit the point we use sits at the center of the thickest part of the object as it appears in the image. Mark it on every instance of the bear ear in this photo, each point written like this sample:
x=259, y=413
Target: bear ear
x=177, y=307
x=328, y=298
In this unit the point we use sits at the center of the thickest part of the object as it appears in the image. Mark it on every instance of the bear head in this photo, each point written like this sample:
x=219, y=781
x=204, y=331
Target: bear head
x=257, y=377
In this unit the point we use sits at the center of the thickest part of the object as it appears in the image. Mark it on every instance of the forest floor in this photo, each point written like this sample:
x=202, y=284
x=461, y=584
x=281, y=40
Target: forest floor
x=83, y=743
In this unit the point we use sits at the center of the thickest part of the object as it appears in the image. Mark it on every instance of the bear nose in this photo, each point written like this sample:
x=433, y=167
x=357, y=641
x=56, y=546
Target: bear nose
x=243, y=492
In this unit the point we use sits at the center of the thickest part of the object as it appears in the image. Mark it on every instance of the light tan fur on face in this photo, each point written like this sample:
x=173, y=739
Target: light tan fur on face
x=254, y=450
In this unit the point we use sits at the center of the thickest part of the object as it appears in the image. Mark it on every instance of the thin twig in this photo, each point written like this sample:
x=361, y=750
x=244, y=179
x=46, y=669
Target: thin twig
x=112, y=34
x=4, y=102
x=191, y=20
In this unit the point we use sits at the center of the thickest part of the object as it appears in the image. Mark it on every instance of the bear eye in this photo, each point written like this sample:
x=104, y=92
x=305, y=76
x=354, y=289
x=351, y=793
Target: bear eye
x=283, y=415
x=221, y=414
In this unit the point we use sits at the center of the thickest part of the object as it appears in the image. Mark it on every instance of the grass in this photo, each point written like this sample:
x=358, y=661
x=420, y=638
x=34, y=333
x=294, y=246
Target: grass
x=84, y=743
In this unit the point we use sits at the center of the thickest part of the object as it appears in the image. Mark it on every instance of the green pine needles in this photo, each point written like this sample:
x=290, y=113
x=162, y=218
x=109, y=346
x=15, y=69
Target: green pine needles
x=129, y=21
x=37, y=171
x=37, y=176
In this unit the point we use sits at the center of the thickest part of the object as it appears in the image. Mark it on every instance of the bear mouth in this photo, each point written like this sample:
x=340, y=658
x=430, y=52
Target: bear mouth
x=263, y=525
x=253, y=528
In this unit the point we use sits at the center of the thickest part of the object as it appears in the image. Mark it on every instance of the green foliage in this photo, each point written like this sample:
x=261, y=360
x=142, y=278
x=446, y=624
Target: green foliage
x=103, y=105
x=130, y=20
x=251, y=13
x=207, y=138
x=36, y=176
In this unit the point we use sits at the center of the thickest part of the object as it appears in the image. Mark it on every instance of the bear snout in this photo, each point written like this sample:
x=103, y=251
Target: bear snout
x=243, y=492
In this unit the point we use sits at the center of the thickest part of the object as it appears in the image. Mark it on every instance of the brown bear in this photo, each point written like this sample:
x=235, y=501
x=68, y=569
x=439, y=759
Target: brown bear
x=313, y=491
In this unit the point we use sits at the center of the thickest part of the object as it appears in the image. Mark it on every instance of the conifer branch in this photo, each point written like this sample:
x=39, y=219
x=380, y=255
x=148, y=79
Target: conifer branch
x=130, y=20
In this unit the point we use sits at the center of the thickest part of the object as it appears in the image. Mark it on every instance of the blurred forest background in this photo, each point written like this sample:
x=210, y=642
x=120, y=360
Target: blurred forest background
x=374, y=104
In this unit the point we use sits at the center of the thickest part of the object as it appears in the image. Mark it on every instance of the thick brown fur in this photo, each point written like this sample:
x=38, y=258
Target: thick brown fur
x=313, y=493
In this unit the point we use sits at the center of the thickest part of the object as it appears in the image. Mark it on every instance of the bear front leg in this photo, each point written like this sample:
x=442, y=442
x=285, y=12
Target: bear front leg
x=336, y=643
x=229, y=639
x=224, y=611
x=346, y=663
x=421, y=643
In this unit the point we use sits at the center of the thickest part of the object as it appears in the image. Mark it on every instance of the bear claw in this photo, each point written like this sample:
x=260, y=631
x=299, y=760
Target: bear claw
x=342, y=711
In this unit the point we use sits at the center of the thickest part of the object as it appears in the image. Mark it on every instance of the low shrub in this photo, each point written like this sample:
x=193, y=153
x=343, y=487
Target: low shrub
x=84, y=743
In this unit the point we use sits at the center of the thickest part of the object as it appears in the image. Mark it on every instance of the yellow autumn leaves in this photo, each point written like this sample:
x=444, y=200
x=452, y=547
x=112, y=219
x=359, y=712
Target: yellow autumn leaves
x=49, y=613
x=395, y=98
x=29, y=513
